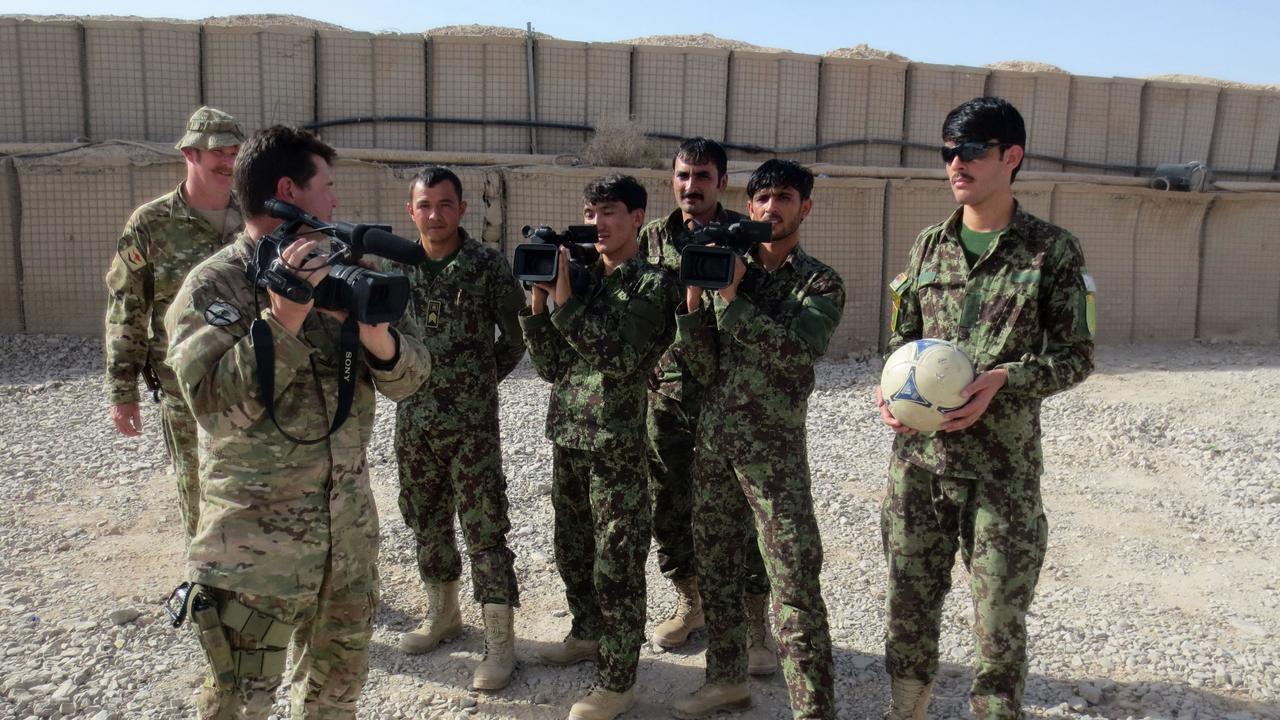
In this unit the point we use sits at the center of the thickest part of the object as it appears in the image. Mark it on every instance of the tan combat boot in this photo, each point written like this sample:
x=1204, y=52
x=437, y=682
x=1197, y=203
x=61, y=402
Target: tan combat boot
x=909, y=699
x=571, y=650
x=443, y=621
x=603, y=704
x=713, y=698
x=687, y=617
x=494, y=672
x=762, y=652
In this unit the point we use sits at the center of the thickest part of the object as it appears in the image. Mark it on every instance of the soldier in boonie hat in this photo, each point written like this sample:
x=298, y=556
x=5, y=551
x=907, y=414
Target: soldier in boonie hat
x=210, y=128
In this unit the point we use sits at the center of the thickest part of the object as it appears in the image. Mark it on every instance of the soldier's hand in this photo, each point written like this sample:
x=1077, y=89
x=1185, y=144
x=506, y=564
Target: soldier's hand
x=888, y=418
x=377, y=340
x=538, y=297
x=980, y=391
x=693, y=298
x=127, y=419
x=300, y=259
x=563, y=289
x=739, y=270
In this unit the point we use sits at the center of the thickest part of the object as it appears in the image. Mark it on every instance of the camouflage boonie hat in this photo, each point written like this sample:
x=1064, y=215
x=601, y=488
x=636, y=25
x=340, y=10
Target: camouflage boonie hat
x=210, y=128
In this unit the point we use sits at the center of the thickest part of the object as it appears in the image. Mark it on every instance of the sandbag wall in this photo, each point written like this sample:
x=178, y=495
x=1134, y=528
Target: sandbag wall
x=114, y=79
x=1169, y=266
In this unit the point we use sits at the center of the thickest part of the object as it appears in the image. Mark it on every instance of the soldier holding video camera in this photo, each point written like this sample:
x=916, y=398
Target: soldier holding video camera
x=597, y=349
x=754, y=348
x=287, y=541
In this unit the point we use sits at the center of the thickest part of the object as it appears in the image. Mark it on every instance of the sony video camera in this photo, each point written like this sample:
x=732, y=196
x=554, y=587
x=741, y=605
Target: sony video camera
x=539, y=259
x=712, y=267
x=370, y=296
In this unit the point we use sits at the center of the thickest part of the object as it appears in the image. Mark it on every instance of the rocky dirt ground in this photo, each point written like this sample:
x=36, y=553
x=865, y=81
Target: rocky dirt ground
x=1161, y=597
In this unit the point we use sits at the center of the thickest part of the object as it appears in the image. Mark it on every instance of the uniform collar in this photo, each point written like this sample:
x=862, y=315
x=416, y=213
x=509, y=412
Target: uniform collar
x=675, y=221
x=1017, y=225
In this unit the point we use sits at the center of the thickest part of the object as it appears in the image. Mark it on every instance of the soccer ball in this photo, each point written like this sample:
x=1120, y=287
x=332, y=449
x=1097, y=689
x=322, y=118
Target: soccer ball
x=922, y=379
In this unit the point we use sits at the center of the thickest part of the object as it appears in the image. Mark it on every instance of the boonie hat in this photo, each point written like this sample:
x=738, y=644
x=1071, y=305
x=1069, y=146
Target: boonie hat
x=211, y=128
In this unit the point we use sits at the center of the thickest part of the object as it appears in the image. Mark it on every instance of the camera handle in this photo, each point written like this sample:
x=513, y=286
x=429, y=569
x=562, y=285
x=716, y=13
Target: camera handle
x=265, y=355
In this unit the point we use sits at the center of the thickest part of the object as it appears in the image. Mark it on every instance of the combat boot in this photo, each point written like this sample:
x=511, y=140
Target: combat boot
x=762, y=652
x=908, y=699
x=494, y=672
x=603, y=704
x=571, y=650
x=713, y=698
x=443, y=621
x=687, y=617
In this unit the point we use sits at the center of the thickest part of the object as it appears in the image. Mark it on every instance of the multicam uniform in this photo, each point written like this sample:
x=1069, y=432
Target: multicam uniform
x=675, y=400
x=286, y=530
x=1025, y=306
x=447, y=441
x=597, y=351
x=755, y=356
x=162, y=241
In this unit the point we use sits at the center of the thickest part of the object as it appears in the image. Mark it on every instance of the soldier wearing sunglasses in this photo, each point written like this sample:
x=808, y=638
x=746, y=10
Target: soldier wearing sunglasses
x=1012, y=292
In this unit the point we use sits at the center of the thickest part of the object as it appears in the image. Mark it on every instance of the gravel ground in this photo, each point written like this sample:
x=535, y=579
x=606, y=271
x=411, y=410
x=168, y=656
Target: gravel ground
x=1159, y=599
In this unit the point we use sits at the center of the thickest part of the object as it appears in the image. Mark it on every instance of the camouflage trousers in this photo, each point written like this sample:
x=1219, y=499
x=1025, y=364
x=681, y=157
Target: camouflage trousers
x=999, y=527
x=601, y=540
x=460, y=474
x=330, y=651
x=181, y=442
x=770, y=487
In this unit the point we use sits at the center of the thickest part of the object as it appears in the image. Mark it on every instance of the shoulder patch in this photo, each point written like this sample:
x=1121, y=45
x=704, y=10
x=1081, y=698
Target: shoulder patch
x=1088, y=282
x=221, y=313
x=132, y=257
x=895, y=287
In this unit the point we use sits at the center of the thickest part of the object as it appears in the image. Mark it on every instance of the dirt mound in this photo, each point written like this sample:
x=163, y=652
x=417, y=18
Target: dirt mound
x=484, y=31
x=705, y=40
x=1202, y=80
x=863, y=51
x=1025, y=66
x=263, y=20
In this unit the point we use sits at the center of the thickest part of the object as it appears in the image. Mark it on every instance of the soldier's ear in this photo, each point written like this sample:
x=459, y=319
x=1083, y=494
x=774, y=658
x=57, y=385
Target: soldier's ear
x=462, y=208
x=723, y=182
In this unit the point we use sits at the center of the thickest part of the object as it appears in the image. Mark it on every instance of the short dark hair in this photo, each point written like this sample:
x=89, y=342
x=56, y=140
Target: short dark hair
x=270, y=154
x=699, y=151
x=986, y=119
x=622, y=188
x=777, y=173
x=434, y=175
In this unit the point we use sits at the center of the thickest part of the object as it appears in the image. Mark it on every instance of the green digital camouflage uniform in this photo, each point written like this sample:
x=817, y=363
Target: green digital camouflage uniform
x=756, y=356
x=675, y=399
x=447, y=441
x=287, y=529
x=1026, y=306
x=598, y=352
x=162, y=241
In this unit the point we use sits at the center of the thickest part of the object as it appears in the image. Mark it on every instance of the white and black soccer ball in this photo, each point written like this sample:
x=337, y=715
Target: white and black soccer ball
x=922, y=380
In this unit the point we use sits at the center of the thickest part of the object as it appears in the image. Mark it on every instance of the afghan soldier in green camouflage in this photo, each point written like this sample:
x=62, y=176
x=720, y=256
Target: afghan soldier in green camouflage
x=699, y=173
x=447, y=441
x=598, y=349
x=1011, y=291
x=286, y=548
x=162, y=241
x=754, y=350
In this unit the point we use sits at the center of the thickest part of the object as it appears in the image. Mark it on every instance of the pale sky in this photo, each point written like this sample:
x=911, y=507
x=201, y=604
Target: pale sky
x=1232, y=40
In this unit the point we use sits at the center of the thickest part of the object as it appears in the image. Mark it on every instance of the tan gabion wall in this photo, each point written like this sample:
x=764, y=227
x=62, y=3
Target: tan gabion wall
x=861, y=99
x=680, y=91
x=773, y=102
x=1247, y=132
x=41, y=85
x=1177, y=122
x=1102, y=122
x=582, y=84
x=1042, y=98
x=478, y=78
x=363, y=75
x=262, y=76
x=10, y=309
x=143, y=78
x=1240, y=296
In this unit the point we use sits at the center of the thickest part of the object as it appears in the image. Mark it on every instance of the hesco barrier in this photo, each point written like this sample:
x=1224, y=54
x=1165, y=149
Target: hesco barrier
x=1169, y=266
x=127, y=80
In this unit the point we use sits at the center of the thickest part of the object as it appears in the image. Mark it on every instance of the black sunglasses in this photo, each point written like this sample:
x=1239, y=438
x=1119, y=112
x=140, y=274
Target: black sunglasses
x=970, y=151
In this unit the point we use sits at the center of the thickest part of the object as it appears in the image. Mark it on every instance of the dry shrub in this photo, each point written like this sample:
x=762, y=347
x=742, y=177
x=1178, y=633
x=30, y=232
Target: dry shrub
x=620, y=143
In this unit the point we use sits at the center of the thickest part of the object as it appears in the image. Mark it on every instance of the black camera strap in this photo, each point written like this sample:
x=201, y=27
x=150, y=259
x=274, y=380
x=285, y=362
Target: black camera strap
x=348, y=365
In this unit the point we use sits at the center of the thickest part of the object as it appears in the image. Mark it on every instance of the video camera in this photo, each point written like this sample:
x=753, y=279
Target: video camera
x=712, y=267
x=539, y=260
x=370, y=296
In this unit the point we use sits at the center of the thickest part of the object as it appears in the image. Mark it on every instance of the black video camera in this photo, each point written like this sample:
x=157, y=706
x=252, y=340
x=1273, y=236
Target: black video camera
x=370, y=296
x=712, y=267
x=539, y=260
